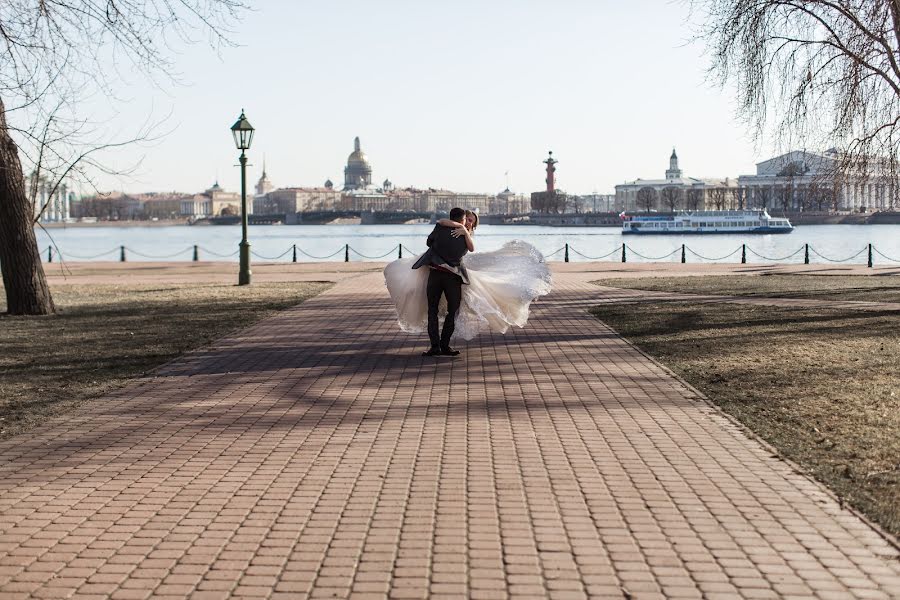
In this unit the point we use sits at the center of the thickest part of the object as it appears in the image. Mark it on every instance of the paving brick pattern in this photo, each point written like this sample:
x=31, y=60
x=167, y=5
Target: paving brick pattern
x=316, y=455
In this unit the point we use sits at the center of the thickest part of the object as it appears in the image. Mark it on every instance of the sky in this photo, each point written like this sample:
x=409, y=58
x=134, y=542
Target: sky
x=450, y=95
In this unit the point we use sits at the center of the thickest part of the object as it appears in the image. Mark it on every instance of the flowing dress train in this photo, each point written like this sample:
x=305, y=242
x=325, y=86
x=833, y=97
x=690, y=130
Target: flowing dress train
x=502, y=285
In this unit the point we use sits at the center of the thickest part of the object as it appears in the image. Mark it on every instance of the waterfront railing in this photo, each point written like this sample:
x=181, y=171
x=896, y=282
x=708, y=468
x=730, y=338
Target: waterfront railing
x=619, y=253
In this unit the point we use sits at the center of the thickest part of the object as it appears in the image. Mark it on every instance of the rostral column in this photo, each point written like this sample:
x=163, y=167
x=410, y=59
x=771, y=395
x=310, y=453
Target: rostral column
x=551, y=185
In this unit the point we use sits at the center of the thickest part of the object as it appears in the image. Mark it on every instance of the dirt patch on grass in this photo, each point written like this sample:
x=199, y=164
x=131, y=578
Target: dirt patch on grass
x=878, y=288
x=821, y=386
x=104, y=335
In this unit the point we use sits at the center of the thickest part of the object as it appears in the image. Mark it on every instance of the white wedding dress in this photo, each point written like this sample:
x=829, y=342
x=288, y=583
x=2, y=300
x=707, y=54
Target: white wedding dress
x=502, y=286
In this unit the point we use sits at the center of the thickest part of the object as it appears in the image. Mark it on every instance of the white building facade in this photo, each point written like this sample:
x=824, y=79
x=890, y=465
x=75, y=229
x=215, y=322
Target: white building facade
x=53, y=205
x=691, y=192
x=800, y=180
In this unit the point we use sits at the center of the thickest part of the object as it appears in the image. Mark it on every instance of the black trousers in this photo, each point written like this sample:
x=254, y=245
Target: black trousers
x=449, y=285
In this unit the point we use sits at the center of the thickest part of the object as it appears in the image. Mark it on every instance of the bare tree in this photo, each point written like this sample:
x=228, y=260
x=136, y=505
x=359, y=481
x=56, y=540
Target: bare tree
x=819, y=73
x=55, y=54
x=718, y=195
x=694, y=198
x=816, y=195
x=784, y=194
x=763, y=196
x=740, y=197
x=646, y=198
x=671, y=197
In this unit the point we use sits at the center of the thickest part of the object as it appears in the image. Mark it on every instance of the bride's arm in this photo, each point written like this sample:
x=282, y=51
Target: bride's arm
x=469, y=243
x=449, y=223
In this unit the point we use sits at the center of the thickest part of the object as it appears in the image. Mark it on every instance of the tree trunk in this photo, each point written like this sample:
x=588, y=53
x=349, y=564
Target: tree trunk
x=26, y=287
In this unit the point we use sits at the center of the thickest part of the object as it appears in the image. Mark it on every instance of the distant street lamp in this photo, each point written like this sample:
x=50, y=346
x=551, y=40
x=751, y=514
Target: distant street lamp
x=242, y=131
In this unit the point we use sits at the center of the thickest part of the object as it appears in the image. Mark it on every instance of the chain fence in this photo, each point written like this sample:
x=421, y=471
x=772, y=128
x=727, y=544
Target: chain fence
x=717, y=259
x=601, y=257
x=837, y=260
x=401, y=251
x=650, y=258
x=782, y=259
x=158, y=256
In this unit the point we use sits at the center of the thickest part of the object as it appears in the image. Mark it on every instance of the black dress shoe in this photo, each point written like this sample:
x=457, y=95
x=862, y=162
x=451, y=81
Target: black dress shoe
x=432, y=352
x=449, y=352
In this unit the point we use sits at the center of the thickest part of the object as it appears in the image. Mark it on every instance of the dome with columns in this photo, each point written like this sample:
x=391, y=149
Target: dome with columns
x=358, y=172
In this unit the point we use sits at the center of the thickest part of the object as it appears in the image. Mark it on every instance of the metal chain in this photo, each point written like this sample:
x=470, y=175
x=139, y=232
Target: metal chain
x=651, y=257
x=883, y=256
x=736, y=250
x=372, y=257
x=616, y=249
x=188, y=249
x=217, y=254
x=552, y=253
x=272, y=257
x=836, y=260
x=66, y=254
x=303, y=252
x=799, y=250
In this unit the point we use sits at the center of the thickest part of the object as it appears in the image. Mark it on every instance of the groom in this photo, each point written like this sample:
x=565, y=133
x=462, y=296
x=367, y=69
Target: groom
x=447, y=276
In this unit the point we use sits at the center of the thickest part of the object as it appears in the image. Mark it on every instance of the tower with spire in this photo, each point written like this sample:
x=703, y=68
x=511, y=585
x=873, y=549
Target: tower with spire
x=673, y=172
x=264, y=186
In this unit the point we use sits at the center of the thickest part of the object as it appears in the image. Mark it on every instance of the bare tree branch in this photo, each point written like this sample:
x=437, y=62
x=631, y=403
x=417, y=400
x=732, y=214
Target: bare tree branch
x=814, y=74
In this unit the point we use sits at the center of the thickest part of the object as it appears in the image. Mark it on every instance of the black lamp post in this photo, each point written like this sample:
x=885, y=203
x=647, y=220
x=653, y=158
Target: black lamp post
x=242, y=131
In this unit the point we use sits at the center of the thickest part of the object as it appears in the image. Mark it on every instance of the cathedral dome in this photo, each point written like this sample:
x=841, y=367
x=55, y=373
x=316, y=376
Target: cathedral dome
x=358, y=172
x=357, y=158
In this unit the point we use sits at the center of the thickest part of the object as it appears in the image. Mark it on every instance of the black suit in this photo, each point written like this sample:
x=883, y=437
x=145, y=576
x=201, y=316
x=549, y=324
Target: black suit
x=444, y=257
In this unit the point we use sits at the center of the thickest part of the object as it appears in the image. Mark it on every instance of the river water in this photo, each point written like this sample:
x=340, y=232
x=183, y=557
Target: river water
x=846, y=243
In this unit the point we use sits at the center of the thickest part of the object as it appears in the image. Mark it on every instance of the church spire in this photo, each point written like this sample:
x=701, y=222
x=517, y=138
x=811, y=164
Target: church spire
x=673, y=171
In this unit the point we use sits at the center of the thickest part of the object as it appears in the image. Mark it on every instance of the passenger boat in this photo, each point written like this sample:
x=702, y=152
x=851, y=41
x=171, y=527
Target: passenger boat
x=706, y=221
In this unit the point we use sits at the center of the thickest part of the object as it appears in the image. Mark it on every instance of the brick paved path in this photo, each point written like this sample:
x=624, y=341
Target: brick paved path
x=316, y=454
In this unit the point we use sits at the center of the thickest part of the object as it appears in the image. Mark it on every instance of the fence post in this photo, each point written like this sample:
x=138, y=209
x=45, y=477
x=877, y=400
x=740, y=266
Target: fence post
x=806, y=254
x=196, y=253
x=121, y=253
x=295, y=253
x=743, y=254
x=49, y=254
x=623, y=251
x=683, y=257
x=346, y=252
x=399, y=250
x=870, y=255
x=566, y=256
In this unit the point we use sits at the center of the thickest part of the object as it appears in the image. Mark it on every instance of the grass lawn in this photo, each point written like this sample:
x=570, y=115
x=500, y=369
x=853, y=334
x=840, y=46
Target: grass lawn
x=880, y=288
x=820, y=385
x=104, y=335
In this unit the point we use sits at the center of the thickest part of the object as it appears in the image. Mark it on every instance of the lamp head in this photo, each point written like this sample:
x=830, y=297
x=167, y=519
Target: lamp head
x=242, y=131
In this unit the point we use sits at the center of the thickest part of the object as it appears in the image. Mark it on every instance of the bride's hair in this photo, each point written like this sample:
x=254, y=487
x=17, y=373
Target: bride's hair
x=474, y=216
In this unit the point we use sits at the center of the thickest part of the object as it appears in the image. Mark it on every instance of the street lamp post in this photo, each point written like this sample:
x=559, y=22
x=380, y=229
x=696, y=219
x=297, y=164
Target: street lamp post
x=243, y=136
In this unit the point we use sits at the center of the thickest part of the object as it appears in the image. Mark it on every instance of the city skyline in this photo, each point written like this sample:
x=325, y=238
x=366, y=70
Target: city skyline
x=265, y=172
x=449, y=97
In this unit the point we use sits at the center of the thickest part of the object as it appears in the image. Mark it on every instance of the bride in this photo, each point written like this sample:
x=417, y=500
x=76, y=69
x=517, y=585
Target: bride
x=502, y=285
